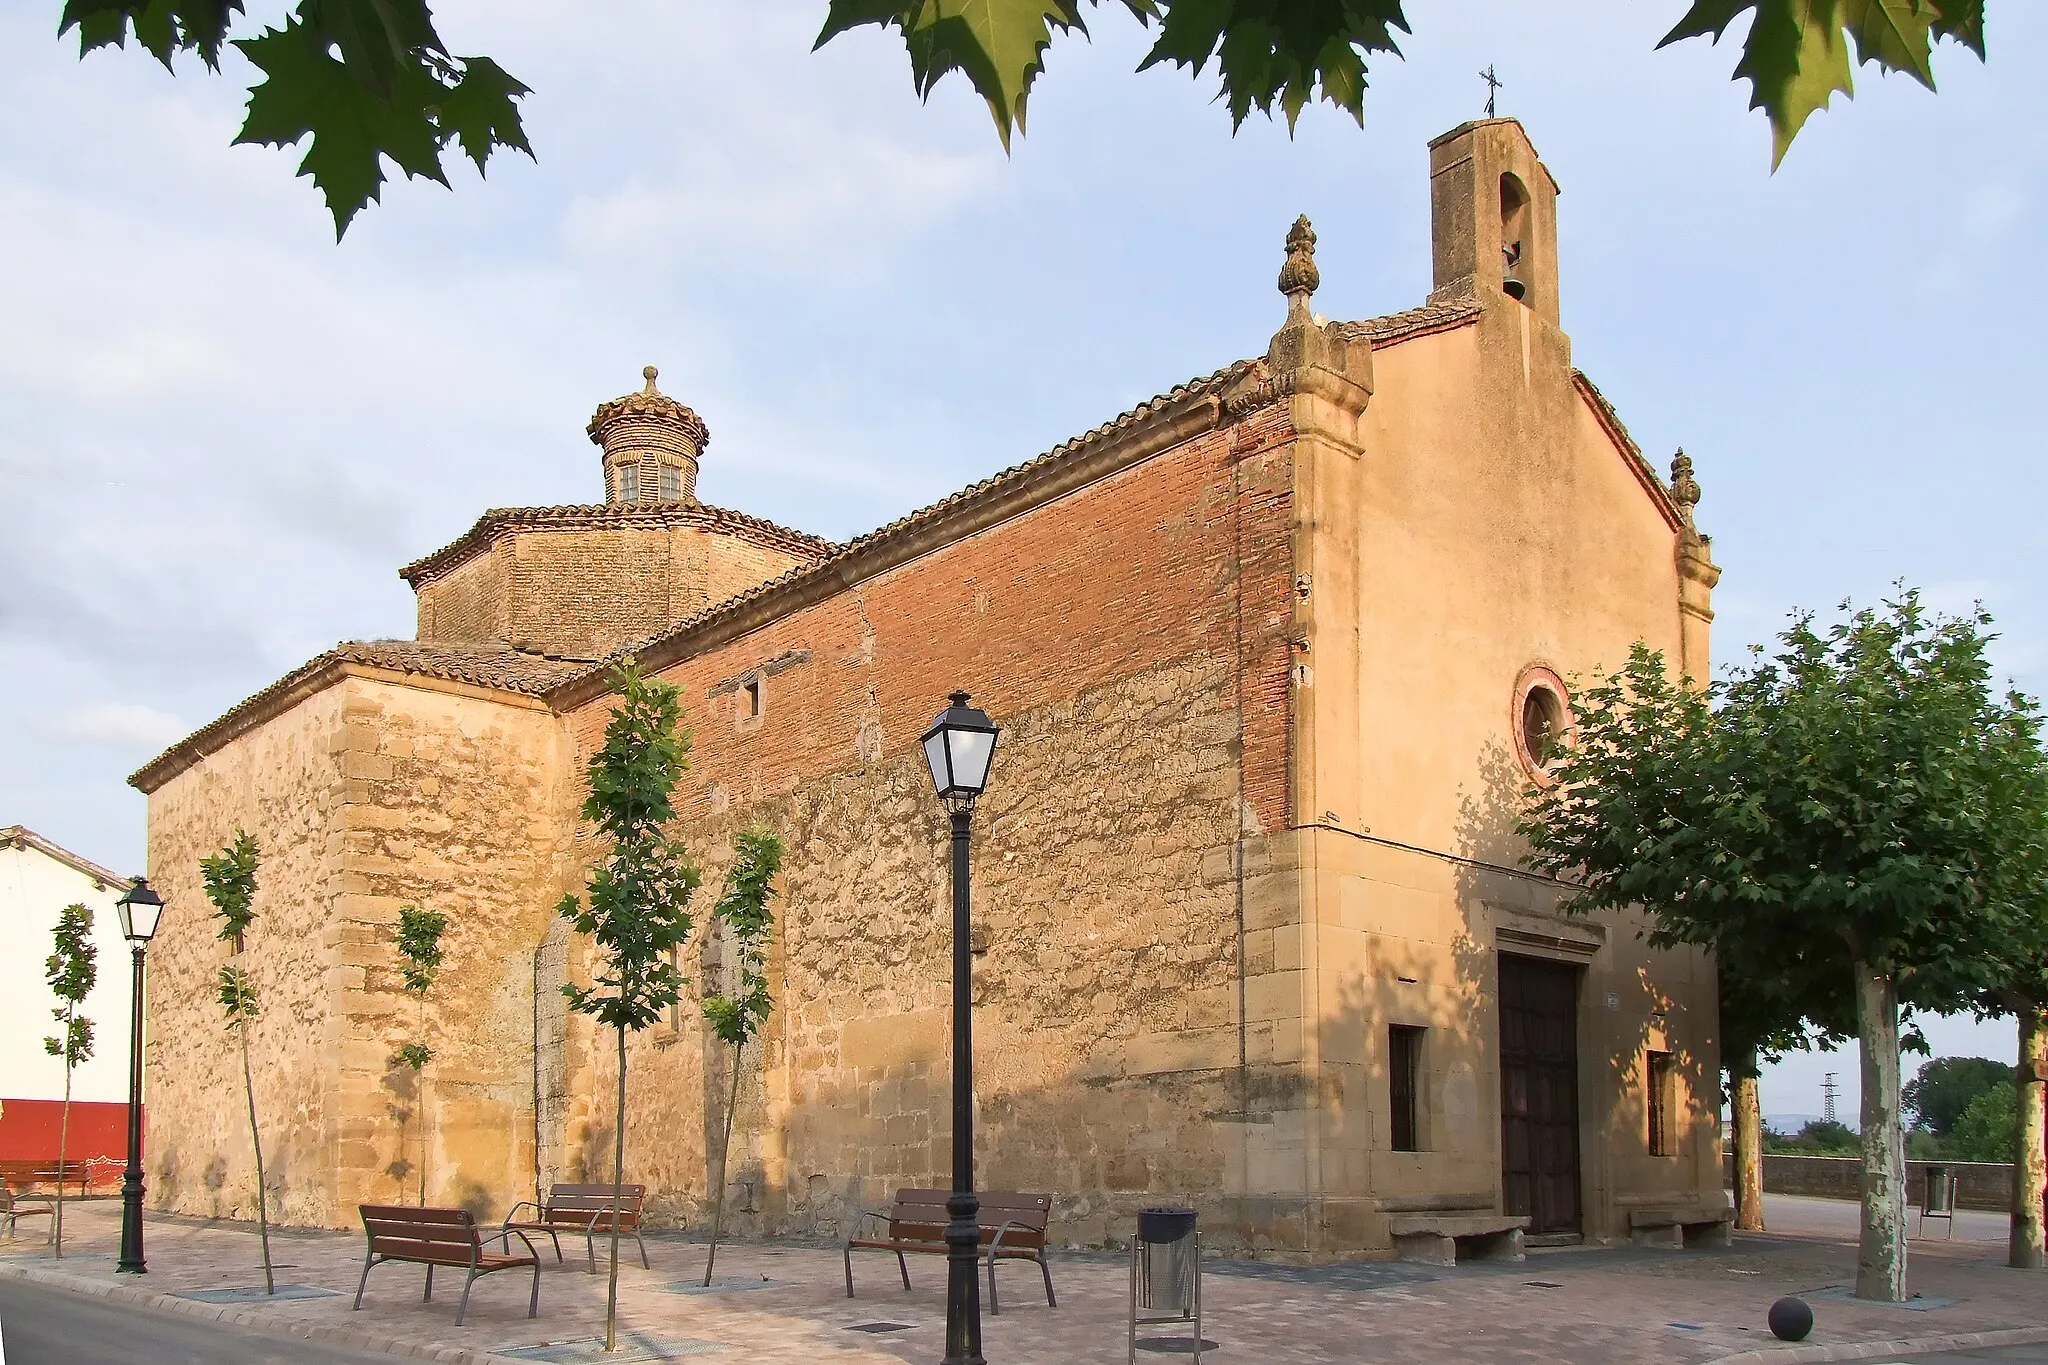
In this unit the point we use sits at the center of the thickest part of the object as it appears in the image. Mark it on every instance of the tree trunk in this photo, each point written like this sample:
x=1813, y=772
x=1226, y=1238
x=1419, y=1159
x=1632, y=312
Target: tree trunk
x=611, y=1299
x=419, y=1092
x=1881, y=1256
x=1747, y=1113
x=2030, y=1171
x=419, y=1100
x=724, y=1153
x=63, y=1133
x=256, y=1140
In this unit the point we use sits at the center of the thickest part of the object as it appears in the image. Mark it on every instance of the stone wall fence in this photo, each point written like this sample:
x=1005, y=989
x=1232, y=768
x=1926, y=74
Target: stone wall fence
x=1979, y=1184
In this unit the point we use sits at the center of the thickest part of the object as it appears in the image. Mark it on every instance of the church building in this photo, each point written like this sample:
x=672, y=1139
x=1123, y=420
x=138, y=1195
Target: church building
x=1276, y=656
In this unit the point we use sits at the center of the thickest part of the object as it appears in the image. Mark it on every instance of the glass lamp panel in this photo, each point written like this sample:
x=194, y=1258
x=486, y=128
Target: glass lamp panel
x=140, y=910
x=971, y=750
x=935, y=757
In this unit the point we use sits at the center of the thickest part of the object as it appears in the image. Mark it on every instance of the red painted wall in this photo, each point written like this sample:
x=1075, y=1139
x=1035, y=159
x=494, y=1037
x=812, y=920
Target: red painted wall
x=28, y=1132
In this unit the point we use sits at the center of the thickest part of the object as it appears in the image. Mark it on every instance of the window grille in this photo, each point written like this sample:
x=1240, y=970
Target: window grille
x=1659, y=1083
x=671, y=483
x=629, y=483
x=1404, y=1073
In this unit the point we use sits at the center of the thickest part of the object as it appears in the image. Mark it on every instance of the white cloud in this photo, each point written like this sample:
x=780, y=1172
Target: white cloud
x=119, y=725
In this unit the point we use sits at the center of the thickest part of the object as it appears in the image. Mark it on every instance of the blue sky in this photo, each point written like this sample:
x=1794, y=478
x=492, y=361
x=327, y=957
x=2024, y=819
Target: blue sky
x=220, y=433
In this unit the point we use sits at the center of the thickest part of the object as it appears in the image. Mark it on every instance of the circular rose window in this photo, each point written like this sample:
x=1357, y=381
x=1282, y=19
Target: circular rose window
x=1542, y=720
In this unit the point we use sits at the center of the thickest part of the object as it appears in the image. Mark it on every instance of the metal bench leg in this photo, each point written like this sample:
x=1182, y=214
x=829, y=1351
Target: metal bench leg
x=558, y=1245
x=533, y=1303
x=643, y=1251
x=368, y=1261
x=590, y=1250
x=1046, y=1270
x=428, y=1296
x=900, y=1265
x=463, y=1307
x=995, y=1305
x=849, y=1272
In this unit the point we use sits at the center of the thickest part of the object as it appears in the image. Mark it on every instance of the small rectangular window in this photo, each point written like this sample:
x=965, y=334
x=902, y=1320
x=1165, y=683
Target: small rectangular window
x=750, y=699
x=1404, y=1075
x=671, y=483
x=629, y=483
x=1658, y=1086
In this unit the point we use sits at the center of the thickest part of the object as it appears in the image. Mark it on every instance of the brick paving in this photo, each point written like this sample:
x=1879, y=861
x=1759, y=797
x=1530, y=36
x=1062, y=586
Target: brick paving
x=785, y=1302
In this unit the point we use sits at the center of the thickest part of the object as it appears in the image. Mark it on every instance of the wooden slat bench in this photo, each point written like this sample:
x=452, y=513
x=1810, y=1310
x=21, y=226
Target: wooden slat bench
x=15, y=1207
x=437, y=1237
x=1012, y=1229
x=24, y=1175
x=585, y=1211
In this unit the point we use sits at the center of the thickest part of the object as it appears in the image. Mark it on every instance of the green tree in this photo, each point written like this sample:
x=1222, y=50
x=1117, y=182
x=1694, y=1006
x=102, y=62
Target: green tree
x=71, y=969
x=230, y=881
x=736, y=1019
x=637, y=899
x=1988, y=1129
x=1837, y=805
x=370, y=81
x=418, y=940
x=1943, y=1088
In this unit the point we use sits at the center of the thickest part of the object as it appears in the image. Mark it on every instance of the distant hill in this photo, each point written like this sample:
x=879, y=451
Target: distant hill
x=1790, y=1124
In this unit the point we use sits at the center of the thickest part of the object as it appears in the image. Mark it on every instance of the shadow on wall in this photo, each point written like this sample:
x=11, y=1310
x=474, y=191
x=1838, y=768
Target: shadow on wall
x=1625, y=1016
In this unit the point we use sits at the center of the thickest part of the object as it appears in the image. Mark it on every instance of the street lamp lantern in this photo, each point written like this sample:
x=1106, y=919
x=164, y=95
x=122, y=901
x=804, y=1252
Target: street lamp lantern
x=140, y=908
x=958, y=748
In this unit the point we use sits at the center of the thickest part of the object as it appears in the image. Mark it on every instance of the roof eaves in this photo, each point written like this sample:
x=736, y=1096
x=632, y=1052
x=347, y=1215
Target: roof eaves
x=1646, y=474
x=1159, y=423
x=495, y=521
x=21, y=836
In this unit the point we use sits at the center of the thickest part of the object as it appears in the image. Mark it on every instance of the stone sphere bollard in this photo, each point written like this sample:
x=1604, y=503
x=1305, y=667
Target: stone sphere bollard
x=1790, y=1319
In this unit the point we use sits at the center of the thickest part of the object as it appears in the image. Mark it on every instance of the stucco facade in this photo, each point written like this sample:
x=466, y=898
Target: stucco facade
x=38, y=879
x=1272, y=654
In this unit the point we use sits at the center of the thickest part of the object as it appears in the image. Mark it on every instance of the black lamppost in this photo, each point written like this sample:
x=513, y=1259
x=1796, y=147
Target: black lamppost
x=958, y=748
x=140, y=909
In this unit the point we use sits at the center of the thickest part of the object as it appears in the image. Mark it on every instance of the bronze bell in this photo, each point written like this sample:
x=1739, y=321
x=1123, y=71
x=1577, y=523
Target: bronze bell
x=1511, y=286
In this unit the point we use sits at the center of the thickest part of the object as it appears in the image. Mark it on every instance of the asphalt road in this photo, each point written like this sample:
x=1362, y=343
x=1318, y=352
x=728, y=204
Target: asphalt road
x=41, y=1326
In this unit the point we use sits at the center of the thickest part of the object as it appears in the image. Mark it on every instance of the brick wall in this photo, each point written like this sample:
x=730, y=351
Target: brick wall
x=1115, y=635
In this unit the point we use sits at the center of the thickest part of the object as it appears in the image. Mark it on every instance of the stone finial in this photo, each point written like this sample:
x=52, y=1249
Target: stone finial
x=1299, y=277
x=1685, y=490
x=651, y=445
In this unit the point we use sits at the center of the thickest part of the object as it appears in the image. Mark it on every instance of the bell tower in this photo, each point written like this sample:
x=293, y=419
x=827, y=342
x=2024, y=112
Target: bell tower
x=1493, y=218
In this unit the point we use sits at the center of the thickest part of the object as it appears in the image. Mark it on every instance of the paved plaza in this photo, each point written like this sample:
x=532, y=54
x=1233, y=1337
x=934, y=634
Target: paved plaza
x=784, y=1302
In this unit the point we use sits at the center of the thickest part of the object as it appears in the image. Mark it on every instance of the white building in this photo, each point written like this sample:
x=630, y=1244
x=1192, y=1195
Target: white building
x=37, y=880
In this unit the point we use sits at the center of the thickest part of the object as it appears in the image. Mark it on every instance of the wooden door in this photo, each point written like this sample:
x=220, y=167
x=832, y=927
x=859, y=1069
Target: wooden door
x=1539, y=1092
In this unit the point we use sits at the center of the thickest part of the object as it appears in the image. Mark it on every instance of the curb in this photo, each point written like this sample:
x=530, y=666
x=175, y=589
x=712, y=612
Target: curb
x=1871, y=1350
x=271, y=1324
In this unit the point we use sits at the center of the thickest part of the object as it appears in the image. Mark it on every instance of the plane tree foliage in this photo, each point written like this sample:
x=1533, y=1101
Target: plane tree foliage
x=368, y=82
x=1855, y=816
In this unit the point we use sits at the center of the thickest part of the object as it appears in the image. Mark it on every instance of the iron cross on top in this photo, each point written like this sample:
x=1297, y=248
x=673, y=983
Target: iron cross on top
x=1493, y=84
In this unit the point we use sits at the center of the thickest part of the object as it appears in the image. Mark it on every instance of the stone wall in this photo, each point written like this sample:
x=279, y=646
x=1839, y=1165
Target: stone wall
x=285, y=782
x=367, y=795
x=1108, y=868
x=452, y=805
x=1979, y=1184
x=583, y=589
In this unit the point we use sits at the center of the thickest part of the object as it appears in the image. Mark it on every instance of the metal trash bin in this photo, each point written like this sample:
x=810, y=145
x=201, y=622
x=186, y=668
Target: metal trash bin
x=1166, y=1274
x=1938, y=1197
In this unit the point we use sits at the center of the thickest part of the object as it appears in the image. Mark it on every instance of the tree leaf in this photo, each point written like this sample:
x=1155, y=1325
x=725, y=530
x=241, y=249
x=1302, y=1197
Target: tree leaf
x=481, y=111
x=161, y=27
x=306, y=92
